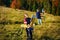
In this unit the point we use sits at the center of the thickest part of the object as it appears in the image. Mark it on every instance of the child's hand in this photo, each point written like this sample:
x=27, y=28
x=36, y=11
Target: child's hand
x=28, y=26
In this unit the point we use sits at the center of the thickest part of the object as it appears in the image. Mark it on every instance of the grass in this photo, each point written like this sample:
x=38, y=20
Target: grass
x=49, y=30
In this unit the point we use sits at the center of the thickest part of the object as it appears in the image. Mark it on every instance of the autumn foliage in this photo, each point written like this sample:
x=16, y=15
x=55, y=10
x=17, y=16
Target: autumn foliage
x=56, y=2
x=15, y=4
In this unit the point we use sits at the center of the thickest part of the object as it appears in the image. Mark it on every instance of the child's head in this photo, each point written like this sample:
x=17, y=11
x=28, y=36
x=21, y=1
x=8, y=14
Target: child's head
x=25, y=15
x=37, y=10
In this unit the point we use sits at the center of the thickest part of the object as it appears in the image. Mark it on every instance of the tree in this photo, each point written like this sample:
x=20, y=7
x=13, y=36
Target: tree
x=5, y=2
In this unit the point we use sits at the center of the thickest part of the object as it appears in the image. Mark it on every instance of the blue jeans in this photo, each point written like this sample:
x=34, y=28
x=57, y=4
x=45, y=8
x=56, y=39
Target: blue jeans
x=29, y=33
x=39, y=21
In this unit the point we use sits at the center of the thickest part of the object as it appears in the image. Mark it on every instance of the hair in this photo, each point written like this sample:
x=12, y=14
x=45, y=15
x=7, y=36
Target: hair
x=26, y=15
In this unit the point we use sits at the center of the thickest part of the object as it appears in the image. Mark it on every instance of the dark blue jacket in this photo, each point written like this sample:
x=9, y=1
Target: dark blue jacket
x=38, y=15
x=28, y=20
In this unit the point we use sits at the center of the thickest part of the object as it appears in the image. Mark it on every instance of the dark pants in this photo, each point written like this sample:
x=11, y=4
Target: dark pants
x=29, y=33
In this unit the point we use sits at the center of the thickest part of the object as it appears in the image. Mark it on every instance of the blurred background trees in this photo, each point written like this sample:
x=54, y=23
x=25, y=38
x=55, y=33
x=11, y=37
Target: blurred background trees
x=50, y=6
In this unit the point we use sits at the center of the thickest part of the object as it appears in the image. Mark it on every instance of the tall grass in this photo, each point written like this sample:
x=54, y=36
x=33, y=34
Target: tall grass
x=10, y=29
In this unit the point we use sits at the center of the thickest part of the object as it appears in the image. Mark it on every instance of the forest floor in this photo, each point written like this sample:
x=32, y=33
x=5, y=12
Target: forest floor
x=11, y=20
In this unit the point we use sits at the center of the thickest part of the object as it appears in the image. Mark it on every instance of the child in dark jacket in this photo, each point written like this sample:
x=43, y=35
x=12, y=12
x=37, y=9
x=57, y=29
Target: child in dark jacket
x=38, y=15
x=29, y=29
